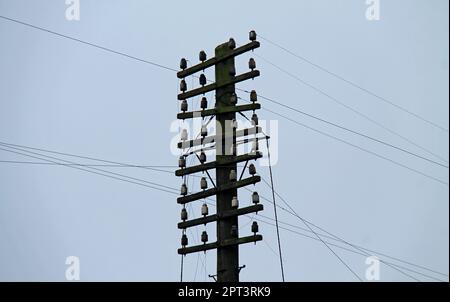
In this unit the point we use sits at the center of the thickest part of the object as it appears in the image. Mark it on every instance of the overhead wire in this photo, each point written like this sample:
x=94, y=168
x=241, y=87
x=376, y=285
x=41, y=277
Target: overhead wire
x=89, y=165
x=341, y=240
x=363, y=115
x=140, y=182
x=383, y=99
x=350, y=130
x=88, y=43
x=329, y=248
x=165, y=172
x=93, y=168
x=100, y=47
x=94, y=45
x=359, y=148
x=275, y=212
x=309, y=222
x=345, y=249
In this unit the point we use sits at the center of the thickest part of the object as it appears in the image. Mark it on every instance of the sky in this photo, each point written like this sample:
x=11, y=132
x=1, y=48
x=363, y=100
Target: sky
x=58, y=94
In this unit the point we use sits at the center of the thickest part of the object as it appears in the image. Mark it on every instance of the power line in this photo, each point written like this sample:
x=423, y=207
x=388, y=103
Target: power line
x=351, y=131
x=88, y=165
x=96, y=169
x=157, y=65
x=90, y=171
x=90, y=158
x=351, y=144
x=355, y=85
x=169, y=68
x=345, y=249
x=148, y=62
x=255, y=219
x=353, y=110
x=278, y=206
x=341, y=240
x=334, y=236
x=89, y=43
x=320, y=238
x=359, y=148
x=321, y=235
x=275, y=211
x=353, y=245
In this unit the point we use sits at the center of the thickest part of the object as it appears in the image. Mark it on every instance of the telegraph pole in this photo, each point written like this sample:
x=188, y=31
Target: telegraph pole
x=227, y=257
x=224, y=142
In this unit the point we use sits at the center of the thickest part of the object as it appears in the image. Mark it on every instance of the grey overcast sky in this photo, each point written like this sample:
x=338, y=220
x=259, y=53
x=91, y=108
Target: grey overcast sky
x=61, y=95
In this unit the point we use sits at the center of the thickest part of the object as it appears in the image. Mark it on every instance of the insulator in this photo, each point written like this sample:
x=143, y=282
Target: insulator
x=251, y=64
x=255, y=228
x=183, y=86
x=255, y=197
x=203, y=183
x=253, y=96
x=204, y=237
x=182, y=162
x=184, y=190
x=231, y=43
x=184, y=240
x=183, y=63
x=205, y=209
x=232, y=71
x=202, y=79
x=252, y=169
x=233, y=175
x=255, y=146
x=202, y=56
x=204, y=103
x=184, y=106
x=202, y=157
x=184, y=134
x=204, y=131
x=233, y=99
x=255, y=119
x=184, y=214
x=234, y=231
x=252, y=35
x=234, y=202
x=234, y=123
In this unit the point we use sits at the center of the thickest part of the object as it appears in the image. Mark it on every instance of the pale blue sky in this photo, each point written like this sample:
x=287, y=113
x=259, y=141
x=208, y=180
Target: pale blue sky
x=61, y=95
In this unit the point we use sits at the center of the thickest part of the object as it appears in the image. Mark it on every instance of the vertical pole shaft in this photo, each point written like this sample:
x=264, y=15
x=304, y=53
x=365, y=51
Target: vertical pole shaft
x=227, y=257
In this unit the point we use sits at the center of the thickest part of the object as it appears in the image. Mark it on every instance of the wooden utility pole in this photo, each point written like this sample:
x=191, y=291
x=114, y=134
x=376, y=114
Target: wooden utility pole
x=227, y=257
x=226, y=186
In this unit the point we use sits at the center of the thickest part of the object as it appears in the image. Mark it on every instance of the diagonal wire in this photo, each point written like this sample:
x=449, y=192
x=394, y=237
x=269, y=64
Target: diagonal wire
x=334, y=238
x=346, y=249
x=351, y=131
x=359, y=148
x=275, y=212
x=90, y=165
x=354, y=84
x=89, y=43
x=400, y=260
x=166, y=171
x=90, y=171
x=339, y=239
x=100, y=47
x=353, y=110
x=92, y=168
x=320, y=238
x=89, y=158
